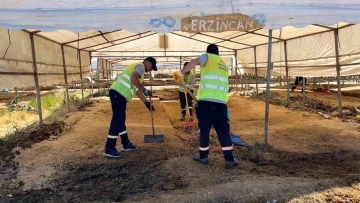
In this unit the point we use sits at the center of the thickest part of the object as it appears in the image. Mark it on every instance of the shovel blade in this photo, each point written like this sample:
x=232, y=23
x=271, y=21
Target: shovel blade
x=154, y=138
x=237, y=141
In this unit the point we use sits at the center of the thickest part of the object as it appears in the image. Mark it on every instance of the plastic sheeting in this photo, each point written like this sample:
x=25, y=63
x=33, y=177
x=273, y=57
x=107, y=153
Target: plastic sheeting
x=165, y=15
x=310, y=56
x=16, y=66
x=126, y=31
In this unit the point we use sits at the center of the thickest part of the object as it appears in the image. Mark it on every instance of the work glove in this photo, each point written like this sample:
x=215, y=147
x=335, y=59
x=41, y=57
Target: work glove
x=147, y=93
x=178, y=76
x=148, y=105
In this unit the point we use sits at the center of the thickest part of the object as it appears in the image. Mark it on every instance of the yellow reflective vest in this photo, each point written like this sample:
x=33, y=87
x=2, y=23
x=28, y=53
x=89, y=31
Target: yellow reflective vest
x=123, y=84
x=214, y=80
x=188, y=80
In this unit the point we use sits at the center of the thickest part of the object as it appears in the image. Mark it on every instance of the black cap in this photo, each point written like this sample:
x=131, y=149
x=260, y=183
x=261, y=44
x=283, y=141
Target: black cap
x=212, y=49
x=153, y=63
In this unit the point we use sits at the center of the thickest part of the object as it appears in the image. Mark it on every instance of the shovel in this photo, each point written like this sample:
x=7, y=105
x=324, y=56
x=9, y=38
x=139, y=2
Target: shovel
x=236, y=140
x=153, y=138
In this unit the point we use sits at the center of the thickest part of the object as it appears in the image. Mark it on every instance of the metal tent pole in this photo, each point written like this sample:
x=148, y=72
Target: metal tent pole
x=256, y=71
x=36, y=78
x=287, y=74
x=336, y=34
x=236, y=72
x=268, y=79
x=65, y=78
x=304, y=89
x=81, y=77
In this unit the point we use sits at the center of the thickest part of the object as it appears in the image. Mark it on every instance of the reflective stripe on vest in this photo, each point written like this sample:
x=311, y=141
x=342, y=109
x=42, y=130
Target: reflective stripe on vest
x=127, y=84
x=214, y=82
x=214, y=87
x=214, y=77
x=123, y=84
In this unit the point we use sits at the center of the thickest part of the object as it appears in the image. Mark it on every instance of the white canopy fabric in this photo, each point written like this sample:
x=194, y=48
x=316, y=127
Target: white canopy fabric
x=309, y=56
x=164, y=16
x=122, y=32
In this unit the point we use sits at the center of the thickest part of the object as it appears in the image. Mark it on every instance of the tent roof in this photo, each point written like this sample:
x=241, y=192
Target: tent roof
x=116, y=29
x=143, y=15
x=97, y=41
x=122, y=44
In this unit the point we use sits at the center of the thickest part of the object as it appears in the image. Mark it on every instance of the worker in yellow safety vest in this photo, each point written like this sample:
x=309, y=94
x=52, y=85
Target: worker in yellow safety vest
x=211, y=109
x=189, y=81
x=126, y=85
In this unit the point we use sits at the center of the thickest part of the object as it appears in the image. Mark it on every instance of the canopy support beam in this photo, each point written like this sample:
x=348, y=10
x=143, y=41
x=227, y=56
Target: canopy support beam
x=65, y=78
x=34, y=33
x=36, y=78
x=256, y=72
x=228, y=40
x=338, y=77
x=135, y=35
x=98, y=74
x=81, y=77
x=85, y=38
x=287, y=73
x=236, y=72
x=119, y=56
x=165, y=43
x=180, y=64
x=224, y=40
x=323, y=26
x=268, y=79
x=167, y=51
x=255, y=33
x=126, y=41
x=304, y=89
x=91, y=78
x=199, y=40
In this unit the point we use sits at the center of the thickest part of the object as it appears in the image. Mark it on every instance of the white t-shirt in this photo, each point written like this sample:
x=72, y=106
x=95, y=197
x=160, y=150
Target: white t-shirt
x=140, y=69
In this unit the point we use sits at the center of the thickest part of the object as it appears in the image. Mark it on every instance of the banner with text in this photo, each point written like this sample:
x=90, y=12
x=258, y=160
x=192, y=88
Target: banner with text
x=219, y=23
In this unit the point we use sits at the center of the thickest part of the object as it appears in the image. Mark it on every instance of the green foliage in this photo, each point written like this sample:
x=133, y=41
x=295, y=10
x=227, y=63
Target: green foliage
x=77, y=101
x=15, y=105
x=49, y=102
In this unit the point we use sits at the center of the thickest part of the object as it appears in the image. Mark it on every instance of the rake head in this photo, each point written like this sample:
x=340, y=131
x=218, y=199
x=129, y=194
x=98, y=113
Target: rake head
x=190, y=124
x=326, y=91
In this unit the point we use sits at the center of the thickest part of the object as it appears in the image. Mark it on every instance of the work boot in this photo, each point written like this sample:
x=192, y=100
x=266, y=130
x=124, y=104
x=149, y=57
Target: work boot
x=129, y=147
x=182, y=117
x=293, y=88
x=112, y=153
x=203, y=161
x=231, y=164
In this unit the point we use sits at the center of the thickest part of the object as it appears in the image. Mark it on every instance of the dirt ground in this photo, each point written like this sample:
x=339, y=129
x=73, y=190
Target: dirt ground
x=328, y=98
x=308, y=159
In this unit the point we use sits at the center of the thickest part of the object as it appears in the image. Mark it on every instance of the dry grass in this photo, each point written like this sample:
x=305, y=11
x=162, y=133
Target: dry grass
x=53, y=109
x=16, y=117
x=11, y=121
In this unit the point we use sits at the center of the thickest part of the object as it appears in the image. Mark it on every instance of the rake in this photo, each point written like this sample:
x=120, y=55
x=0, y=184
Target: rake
x=177, y=78
x=191, y=122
